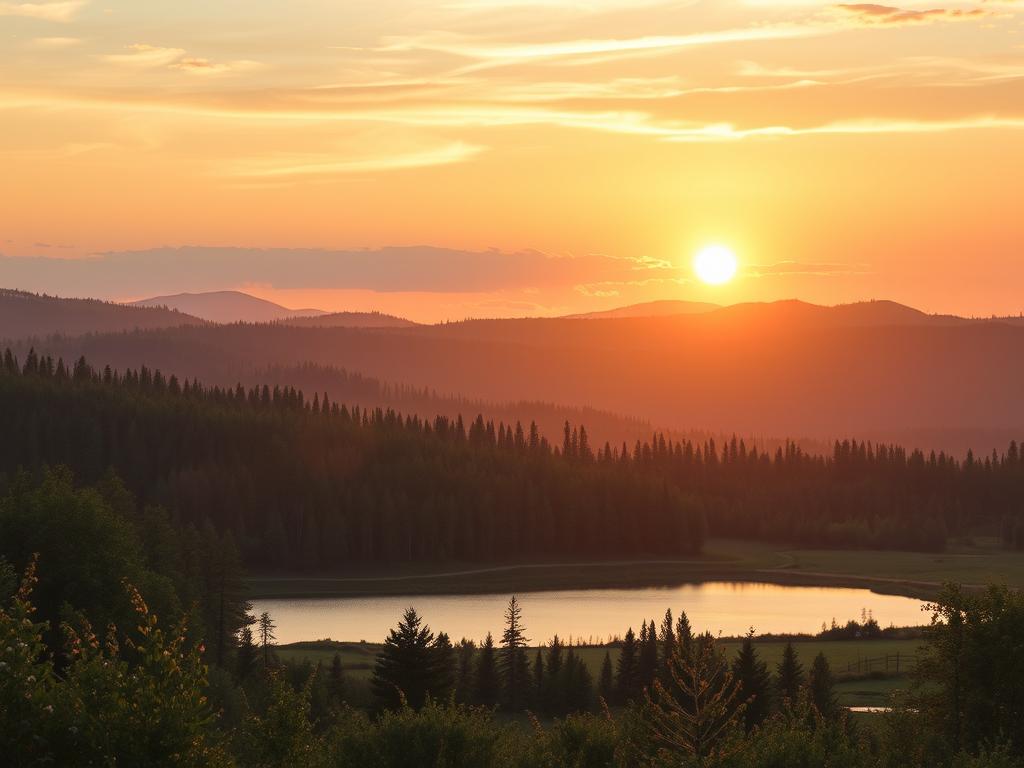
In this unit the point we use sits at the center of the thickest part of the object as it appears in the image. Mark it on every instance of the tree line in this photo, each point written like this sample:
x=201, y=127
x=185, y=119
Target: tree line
x=304, y=483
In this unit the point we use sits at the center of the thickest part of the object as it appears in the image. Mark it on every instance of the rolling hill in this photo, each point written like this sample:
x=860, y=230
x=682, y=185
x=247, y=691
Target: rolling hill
x=29, y=315
x=875, y=370
x=227, y=307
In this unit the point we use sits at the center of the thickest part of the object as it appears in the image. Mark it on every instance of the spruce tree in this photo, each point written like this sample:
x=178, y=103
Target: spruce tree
x=444, y=667
x=487, y=674
x=790, y=677
x=648, y=660
x=539, y=679
x=821, y=688
x=266, y=628
x=606, y=685
x=465, y=656
x=407, y=667
x=245, y=660
x=514, y=664
x=627, y=673
x=666, y=644
x=684, y=635
x=751, y=673
x=336, y=680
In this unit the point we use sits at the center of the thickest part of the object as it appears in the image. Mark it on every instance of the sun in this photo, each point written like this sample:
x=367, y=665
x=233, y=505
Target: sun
x=715, y=264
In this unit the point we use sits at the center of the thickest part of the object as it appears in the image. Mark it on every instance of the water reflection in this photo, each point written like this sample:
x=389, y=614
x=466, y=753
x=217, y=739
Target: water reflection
x=595, y=615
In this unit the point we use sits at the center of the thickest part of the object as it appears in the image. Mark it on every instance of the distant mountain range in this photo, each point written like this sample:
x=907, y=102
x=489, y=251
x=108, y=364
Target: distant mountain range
x=227, y=307
x=24, y=315
x=350, y=320
x=650, y=309
x=877, y=370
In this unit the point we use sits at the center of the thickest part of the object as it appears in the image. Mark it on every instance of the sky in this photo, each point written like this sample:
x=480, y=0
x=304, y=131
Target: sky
x=478, y=158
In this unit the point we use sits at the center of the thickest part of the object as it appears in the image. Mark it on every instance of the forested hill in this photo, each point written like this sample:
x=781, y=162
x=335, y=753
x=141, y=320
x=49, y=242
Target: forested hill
x=24, y=315
x=311, y=485
x=314, y=484
x=769, y=370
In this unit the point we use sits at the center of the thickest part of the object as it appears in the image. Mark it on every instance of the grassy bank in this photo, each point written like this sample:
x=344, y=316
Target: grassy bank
x=856, y=687
x=914, y=574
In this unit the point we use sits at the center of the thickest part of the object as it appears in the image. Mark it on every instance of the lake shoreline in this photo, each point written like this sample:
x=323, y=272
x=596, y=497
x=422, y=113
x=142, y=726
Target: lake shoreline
x=544, y=577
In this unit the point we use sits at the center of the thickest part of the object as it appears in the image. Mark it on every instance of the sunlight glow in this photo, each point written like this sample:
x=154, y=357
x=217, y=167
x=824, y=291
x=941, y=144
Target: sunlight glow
x=715, y=265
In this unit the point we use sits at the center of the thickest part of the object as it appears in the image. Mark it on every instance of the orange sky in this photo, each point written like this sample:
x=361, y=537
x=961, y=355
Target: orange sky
x=843, y=151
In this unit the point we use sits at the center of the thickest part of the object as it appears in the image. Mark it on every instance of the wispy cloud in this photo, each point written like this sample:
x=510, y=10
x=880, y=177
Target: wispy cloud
x=331, y=165
x=143, y=55
x=815, y=269
x=53, y=43
x=59, y=11
x=887, y=15
x=205, y=67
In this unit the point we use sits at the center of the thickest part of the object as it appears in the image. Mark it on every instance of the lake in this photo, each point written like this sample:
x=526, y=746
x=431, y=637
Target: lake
x=593, y=615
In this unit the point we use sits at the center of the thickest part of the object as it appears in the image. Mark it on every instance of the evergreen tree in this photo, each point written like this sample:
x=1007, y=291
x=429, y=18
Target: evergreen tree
x=245, y=660
x=627, y=675
x=487, y=674
x=465, y=656
x=821, y=688
x=790, y=676
x=606, y=685
x=751, y=673
x=336, y=680
x=684, y=635
x=514, y=664
x=666, y=644
x=444, y=667
x=694, y=715
x=266, y=628
x=539, y=679
x=226, y=608
x=648, y=660
x=407, y=666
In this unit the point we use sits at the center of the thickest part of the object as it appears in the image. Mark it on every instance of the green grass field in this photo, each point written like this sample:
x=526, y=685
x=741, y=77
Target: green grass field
x=357, y=659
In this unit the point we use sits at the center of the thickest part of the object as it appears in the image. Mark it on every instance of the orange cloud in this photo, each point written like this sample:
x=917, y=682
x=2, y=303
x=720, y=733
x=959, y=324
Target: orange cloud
x=873, y=13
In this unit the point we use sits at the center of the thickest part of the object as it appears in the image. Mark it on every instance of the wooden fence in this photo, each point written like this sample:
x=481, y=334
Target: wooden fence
x=893, y=663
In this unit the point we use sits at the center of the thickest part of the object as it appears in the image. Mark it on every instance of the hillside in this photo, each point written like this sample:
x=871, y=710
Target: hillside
x=350, y=320
x=227, y=307
x=763, y=369
x=29, y=315
x=650, y=309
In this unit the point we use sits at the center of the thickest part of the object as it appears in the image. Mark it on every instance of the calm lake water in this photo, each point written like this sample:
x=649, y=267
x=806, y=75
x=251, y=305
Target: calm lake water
x=729, y=608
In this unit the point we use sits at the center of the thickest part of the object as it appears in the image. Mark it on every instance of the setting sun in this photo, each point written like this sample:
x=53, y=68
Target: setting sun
x=715, y=265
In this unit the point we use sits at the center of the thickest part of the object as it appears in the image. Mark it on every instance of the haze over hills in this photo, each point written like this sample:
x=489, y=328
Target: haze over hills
x=871, y=370
x=227, y=307
x=24, y=315
x=350, y=320
x=650, y=309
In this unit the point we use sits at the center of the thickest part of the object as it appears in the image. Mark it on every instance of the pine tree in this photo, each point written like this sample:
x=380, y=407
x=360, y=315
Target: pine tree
x=245, y=659
x=225, y=607
x=606, y=685
x=539, y=679
x=696, y=712
x=821, y=688
x=684, y=635
x=336, y=680
x=648, y=659
x=407, y=667
x=465, y=653
x=487, y=674
x=266, y=629
x=754, y=683
x=443, y=662
x=790, y=677
x=667, y=645
x=627, y=674
x=514, y=664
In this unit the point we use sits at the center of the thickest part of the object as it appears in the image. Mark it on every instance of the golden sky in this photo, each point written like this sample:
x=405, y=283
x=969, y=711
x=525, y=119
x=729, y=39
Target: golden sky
x=550, y=156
